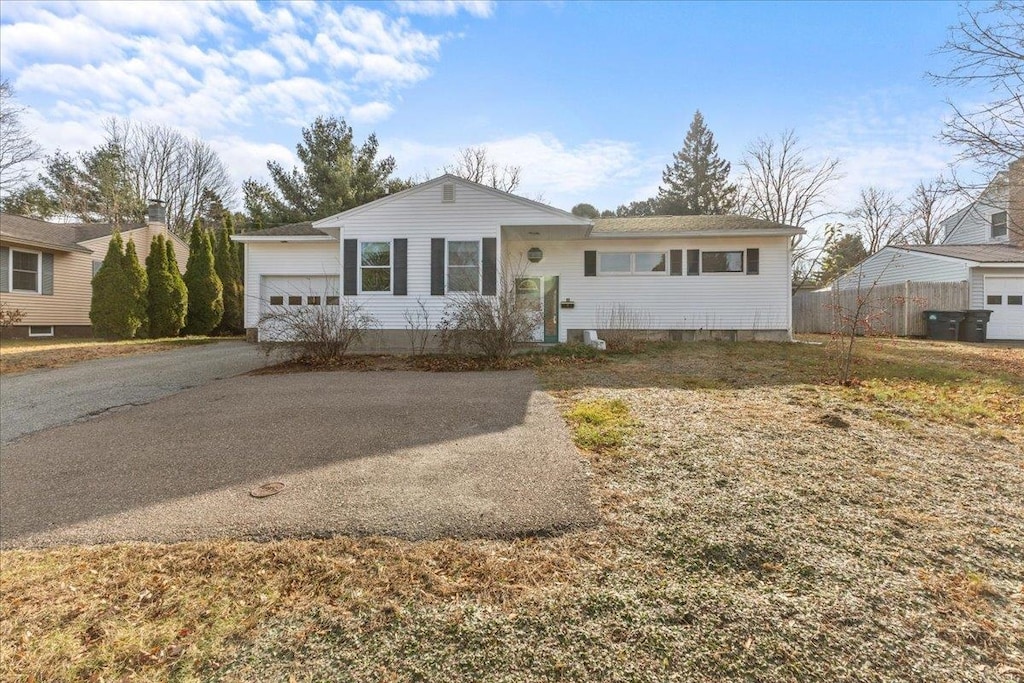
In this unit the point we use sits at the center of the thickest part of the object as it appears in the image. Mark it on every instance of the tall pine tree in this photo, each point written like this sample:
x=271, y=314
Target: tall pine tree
x=205, y=292
x=226, y=261
x=178, y=302
x=111, y=308
x=697, y=182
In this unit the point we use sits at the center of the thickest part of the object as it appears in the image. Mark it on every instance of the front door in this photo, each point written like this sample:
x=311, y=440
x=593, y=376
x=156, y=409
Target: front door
x=542, y=292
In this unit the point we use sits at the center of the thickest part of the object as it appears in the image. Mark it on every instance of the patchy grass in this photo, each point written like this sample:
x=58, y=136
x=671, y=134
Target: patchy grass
x=22, y=355
x=600, y=425
x=759, y=524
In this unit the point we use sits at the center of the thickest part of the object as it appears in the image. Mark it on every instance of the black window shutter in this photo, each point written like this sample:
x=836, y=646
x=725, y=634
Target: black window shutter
x=753, y=261
x=351, y=267
x=490, y=266
x=589, y=263
x=47, y=279
x=675, y=261
x=693, y=261
x=437, y=266
x=400, y=287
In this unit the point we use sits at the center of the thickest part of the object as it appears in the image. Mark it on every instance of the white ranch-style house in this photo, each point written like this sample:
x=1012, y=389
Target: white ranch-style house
x=679, y=277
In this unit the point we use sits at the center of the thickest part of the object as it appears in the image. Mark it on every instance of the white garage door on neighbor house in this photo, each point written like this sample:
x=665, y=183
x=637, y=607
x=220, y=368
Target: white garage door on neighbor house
x=280, y=293
x=1004, y=296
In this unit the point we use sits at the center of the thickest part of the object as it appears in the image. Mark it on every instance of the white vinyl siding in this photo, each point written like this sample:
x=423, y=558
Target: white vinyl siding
x=975, y=227
x=890, y=266
x=742, y=302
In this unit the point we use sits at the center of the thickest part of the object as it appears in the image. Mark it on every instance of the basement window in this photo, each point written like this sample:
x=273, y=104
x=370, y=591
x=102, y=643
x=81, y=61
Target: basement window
x=40, y=330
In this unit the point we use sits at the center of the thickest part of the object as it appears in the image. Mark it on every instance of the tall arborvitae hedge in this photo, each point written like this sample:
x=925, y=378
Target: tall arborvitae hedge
x=137, y=285
x=226, y=262
x=112, y=306
x=178, y=303
x=205, y=293
x=164, y=305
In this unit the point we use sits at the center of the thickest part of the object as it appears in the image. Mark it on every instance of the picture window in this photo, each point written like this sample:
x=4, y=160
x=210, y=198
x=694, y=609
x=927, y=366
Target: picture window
x=721, y=261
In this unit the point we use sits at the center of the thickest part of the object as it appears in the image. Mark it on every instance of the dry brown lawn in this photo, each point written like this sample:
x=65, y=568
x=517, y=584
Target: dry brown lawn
x=760, y=523
x=20, y=355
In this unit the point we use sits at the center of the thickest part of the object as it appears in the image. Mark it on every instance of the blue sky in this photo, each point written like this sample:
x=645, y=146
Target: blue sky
x=590, y=99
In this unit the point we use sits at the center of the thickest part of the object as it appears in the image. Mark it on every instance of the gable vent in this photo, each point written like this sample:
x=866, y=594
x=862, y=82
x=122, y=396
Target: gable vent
x=448, y=192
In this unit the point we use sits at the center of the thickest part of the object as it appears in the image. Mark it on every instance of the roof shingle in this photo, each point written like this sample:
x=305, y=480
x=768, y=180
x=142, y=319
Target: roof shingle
x=982, y=253
x=683, y=224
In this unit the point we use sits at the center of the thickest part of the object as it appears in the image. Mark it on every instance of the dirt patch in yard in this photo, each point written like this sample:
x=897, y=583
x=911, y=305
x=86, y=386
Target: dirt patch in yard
x=746, y=536
x=18, y=356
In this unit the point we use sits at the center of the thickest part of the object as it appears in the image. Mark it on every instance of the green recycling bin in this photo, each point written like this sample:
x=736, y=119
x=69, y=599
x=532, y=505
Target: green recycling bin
x=974, y=326
x=943, y=325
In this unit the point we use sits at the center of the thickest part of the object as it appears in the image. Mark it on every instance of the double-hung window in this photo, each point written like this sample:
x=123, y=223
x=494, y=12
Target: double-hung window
x=631, y=263
x=25, y=271
x=999, y=224
x=375, y=266
x=463, y=266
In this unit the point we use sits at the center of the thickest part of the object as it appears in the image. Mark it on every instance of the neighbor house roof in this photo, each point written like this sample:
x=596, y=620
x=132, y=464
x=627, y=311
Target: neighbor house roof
x=980, y=253
x=303, y=229
x=37, y=233
x=674, y=225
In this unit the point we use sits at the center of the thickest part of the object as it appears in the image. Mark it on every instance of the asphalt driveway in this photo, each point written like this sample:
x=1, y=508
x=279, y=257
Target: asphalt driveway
x=416, y=455
x=47, y=398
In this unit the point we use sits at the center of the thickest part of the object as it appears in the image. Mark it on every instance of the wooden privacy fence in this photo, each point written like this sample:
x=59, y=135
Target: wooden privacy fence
x=888, y=309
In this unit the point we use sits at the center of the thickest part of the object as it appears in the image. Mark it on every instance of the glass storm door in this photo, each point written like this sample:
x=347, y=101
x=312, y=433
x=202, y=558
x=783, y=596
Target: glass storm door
x=542, y=294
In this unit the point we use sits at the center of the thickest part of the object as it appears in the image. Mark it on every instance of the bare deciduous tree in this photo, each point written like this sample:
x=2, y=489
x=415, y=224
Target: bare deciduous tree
x=16, y=144
x=987, y=49
x=163, y=163
x=778, y=183
x=880, y=219
x=928, y=205
x=475, y=164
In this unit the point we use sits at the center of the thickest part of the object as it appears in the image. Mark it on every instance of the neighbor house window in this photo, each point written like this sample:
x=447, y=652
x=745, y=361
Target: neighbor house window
x=994, y=300
x=375, y=265
x=631, y=263
x=999, y=224
x=1015, y=300
x=721, y=261
x=463, y=266
x=25, y=271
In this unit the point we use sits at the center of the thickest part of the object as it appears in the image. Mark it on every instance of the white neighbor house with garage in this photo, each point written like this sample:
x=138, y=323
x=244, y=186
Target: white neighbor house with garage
x=982, y=244
x=684, y=277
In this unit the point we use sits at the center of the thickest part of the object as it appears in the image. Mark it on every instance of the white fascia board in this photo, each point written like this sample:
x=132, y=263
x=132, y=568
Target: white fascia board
x=283, y=238
x=707, y=233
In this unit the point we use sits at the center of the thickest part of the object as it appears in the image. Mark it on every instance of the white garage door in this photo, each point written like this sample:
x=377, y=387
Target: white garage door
x=1004, y=296
x=281, y=294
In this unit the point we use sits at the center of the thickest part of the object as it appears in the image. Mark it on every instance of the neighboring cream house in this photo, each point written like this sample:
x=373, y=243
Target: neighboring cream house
x=46, y=269
x=679, y=277
x=983, y=244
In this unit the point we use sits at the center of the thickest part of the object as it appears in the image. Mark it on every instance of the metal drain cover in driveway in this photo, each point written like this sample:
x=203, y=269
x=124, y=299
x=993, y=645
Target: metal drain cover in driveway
x=268, y=489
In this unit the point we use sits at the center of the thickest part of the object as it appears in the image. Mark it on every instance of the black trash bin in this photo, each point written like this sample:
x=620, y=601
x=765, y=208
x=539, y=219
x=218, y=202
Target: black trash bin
x=974, y=327
x=944, y=325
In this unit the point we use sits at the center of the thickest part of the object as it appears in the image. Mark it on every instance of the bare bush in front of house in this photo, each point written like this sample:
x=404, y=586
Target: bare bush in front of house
x=318, y=334
x=490, y=325
x=417, y=327
x=9, y=317
x=624, y=327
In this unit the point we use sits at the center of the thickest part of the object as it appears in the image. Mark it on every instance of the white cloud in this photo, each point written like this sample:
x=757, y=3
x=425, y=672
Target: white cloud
x=447, y=8
x=259, y=64
x=247, y=159
x=371, y=112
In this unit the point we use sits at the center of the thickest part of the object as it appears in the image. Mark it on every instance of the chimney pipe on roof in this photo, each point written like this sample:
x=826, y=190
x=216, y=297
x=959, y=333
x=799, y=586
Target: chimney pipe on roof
x=155, y=212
